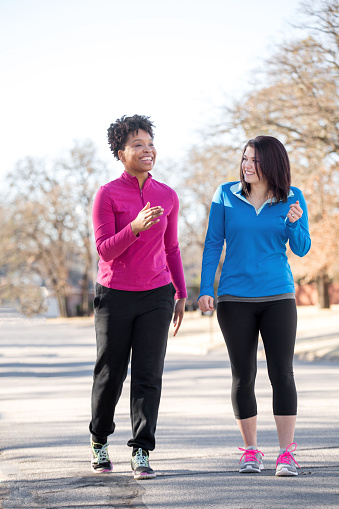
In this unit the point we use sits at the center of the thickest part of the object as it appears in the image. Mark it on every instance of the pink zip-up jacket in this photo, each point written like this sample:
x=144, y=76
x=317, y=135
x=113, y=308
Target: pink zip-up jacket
x=146, y=261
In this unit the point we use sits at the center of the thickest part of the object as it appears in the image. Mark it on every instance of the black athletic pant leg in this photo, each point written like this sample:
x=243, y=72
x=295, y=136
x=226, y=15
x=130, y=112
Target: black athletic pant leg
x=240, y=323
x=278, y=326
x=149, y=342
x=240, y=328
x=126, y=322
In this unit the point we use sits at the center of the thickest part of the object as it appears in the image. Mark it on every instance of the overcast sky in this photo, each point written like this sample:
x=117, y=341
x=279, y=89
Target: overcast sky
x=71, y=67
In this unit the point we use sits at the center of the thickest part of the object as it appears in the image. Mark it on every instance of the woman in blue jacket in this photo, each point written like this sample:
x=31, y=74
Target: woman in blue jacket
x=256, y=217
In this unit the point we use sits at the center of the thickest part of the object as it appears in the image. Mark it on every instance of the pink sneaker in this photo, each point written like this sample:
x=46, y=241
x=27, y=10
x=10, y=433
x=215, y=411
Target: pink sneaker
x=285, y=465
x=251, y=460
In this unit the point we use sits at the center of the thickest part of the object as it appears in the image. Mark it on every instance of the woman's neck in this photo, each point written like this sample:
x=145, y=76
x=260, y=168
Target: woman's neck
x=260, y=191
x=259, y=194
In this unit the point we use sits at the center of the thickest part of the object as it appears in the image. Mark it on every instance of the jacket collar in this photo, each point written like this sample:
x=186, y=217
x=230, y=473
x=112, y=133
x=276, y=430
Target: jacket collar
x=130, y=179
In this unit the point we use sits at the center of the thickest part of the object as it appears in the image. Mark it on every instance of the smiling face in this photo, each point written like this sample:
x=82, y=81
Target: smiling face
x=139, y=154
x=250, y=166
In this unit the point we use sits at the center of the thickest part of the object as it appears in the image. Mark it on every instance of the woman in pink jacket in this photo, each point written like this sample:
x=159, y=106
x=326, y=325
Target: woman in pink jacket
x=140, y=273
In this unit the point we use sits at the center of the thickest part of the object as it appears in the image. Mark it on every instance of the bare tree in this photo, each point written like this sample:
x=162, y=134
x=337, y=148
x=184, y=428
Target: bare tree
x=39, y=233
x=85, y=173
x=18, y=288
x=50, y=226
x=297, y=96
x=320, y=185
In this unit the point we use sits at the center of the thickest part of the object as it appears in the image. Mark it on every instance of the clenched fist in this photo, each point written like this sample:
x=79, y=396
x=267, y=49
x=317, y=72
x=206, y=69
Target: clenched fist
x=295, y=212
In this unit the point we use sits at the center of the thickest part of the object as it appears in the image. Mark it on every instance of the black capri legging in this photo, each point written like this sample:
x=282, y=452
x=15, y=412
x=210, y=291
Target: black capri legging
x=240, y=323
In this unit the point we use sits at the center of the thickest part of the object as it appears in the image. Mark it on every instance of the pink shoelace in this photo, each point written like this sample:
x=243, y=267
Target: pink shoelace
x=286, y=456
x=250, y=454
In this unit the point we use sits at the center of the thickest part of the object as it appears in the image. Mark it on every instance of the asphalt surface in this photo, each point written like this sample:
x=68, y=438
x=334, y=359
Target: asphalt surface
x=46, y=371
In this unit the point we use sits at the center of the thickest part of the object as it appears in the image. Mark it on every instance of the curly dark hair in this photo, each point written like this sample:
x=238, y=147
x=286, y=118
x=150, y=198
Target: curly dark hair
x=274, y=164
x=118, y=132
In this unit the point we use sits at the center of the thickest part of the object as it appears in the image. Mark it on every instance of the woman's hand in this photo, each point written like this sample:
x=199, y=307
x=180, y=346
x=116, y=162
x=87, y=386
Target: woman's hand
x=179, y=311
x=146, y=218
x=295, y=212
x=206, y=303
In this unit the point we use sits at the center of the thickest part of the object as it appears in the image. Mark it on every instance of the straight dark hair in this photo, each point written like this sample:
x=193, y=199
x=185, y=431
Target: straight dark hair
x=274, y=164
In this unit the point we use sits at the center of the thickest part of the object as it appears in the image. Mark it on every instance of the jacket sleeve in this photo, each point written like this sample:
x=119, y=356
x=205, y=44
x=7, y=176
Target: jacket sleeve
x=298, y=232
x=214, y=243
x=109, y=243
x=173, y=256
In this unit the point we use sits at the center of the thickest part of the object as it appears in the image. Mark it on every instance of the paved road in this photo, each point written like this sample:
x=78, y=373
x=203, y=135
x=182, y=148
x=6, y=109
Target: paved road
x=45, y=371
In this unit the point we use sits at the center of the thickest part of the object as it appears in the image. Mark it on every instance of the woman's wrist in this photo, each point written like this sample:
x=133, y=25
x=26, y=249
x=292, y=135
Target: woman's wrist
x=134, y=229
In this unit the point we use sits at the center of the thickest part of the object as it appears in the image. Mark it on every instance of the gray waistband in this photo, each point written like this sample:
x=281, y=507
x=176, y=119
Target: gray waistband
x=233, y=298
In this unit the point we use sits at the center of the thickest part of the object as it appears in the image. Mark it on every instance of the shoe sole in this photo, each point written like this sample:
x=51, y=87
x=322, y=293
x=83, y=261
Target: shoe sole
x=142, y=477
x=285, y=473
x=250, y=470
x=103, y=471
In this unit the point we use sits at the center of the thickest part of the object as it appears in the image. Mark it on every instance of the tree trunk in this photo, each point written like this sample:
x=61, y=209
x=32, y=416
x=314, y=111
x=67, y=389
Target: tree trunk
x=84, y=292
x=87, y=277
x=323, y=283
x=62, y=305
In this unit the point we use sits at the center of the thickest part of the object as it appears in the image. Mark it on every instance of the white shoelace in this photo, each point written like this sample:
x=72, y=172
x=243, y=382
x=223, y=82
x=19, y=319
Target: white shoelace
x=101, y=455
x=141, y=458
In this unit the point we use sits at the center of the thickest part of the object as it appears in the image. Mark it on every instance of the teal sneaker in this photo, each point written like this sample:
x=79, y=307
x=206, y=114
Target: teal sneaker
x=100, y=463
x=140, y=465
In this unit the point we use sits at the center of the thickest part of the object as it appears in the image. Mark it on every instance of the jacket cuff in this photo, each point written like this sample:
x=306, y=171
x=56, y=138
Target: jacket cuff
x=289, y=224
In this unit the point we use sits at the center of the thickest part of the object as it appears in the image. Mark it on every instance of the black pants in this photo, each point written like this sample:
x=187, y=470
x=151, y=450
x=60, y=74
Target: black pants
x=126, y=322
x=240, y=323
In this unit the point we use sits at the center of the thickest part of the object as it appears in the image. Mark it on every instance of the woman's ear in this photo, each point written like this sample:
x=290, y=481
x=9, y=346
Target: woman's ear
x=121, y=156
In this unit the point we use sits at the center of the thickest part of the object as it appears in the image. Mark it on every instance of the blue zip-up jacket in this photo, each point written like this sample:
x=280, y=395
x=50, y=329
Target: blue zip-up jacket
x=255, y=264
